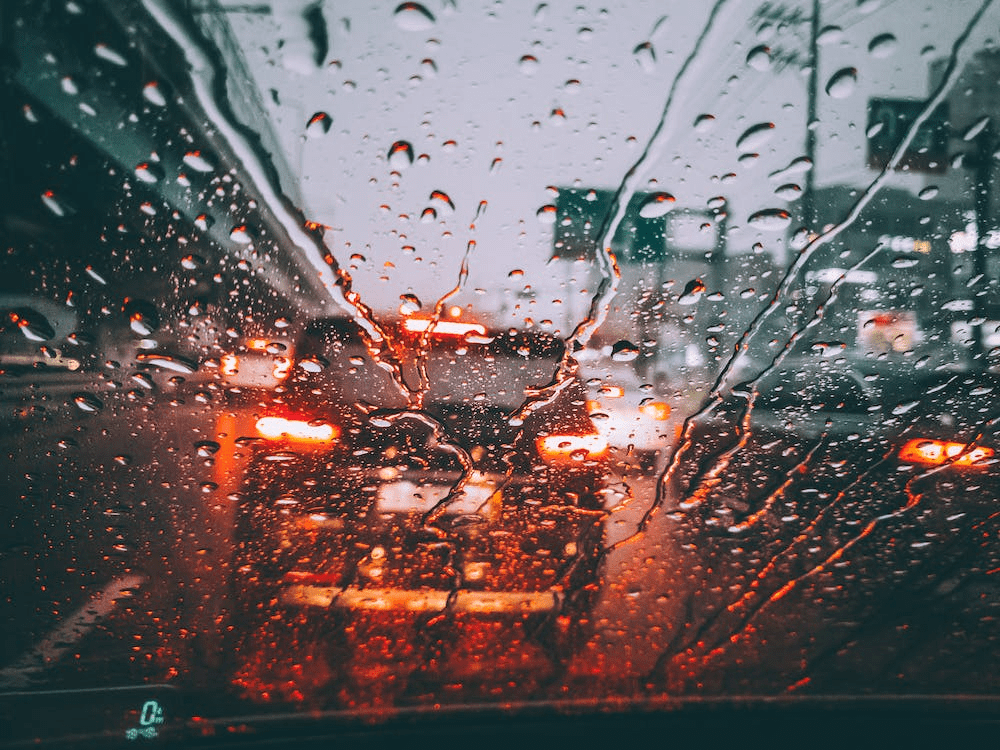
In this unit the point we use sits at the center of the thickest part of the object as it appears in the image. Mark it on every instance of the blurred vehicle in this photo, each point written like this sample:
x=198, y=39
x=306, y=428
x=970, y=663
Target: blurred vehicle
x=631, y=414
x=485, y=503
x=256, y=363
x=806, y=432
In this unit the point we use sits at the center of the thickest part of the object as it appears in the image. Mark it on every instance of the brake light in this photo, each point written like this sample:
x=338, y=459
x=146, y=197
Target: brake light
x=937, y=452
x=299, y=430
x=656, y=410
x=443, y=327
x=229, y=364
x=257, y=345
x=572, y=447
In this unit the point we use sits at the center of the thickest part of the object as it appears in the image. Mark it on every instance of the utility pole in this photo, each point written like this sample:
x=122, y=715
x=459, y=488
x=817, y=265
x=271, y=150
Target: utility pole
x=808, y=200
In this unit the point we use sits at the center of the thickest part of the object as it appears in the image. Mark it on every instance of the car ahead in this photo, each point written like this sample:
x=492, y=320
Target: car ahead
x=441, y=471
x=807, y=434
x=627, y=410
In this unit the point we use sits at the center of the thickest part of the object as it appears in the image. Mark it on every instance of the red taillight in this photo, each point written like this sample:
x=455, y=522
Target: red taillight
x=229, y=364
x=572, y=448
x=937, y=452
x=298, y=430
x=656, y=410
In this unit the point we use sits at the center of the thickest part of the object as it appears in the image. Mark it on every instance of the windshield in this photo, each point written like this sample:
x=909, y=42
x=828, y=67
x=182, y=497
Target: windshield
x=367, y=362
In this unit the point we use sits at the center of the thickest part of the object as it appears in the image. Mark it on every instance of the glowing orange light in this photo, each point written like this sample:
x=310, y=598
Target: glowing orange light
x=258, y=345
x=443, y=327
x=937, y=452
x=229, y=364
x=282, y=366
x=299, y=430
x=656, y=410
x=572, y=447
x=593, y=406
x=612, y=391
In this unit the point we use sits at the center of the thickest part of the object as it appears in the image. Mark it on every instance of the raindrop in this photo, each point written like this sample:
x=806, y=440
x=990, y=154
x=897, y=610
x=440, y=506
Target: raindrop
x=428, y=215
x=624, y=351
x=717, y=202
x=928, y=192
x=313, y=363
x=191, y=262
x=748, y=293
x=203, y=222
x=149, y=172
x=645, y=56
x=904, y=261
x=86, y=402
x=143, y=379
x=704, y=123
x=400, y=155
x=154, y=94
x=318, y=125
x=173, y=362
x=755, y=137
x=976, y=129
x=95, y=275
x=122, y=460
x=147, y=208
x=29, y=113
x=32, y=325
x=656, y=205
x=411, y=304
x=875, y=129
x=692, y=292
x=528, y=64
x=104, y=52
x=789, y=192
x=429, y=67
x=904, y=407
x=516, y=273
x=884, y=45
x=547, y=214
x=841, y=84
x=55, y=205
x=442, y=200
x=795, y=166
x=197, y=162
x=207, y=448
x=830, y=35
x=413, y=17
x=495, y=165
x=142, y=316
x=759, y=58
x=240, y=235
x=770, y=219
x=557, y=116
x=69, y=86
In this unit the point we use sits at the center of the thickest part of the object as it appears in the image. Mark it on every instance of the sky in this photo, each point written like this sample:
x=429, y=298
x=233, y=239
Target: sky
x=504, y=102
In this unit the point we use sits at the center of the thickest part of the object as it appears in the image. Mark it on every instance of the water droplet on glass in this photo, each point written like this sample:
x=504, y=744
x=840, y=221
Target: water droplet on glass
x=400, y=155
x=142, y=316
x=410, y=304
x=841, y=84
x=428, y=215
x=191, y=262
x=240, y=235
x=173, y=362
x=977, y=128
x=770, y=219
x=928, y=192
x=441, y=200
x=789, y=192
x=645, y=55
x=207, y=448
x=904, y=261
x=547, y=214
x=716, y=202
x=318, y=125
x=656, y=205
x=624, y=351
x=413, y=17
x=54, y=204
x=34, y=326
x=143, y=379
x=313, y=363
x=884, y=45
x=429, y=67
x=528, y=64
x=95, y=275
x=86, y=402
x=203, y=222
x=197, y=162
x=830, y=35
x=759, y=58
x=148, y=172
x=704, y=123
x=692, y=292
x=69, y=85
x=105, y=52
x=516, y=273
x=154, y=94
x=756, y=136
x=122, y=460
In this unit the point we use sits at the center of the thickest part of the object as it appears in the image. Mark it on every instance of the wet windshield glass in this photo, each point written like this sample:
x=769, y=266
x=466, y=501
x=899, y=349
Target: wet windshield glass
x=359, y=362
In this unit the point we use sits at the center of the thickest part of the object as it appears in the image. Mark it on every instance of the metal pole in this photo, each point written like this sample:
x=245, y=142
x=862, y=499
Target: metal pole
x=808, y=201
x=984, y=163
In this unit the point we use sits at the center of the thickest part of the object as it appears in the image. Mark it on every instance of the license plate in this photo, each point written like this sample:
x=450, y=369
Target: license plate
x=404, y=496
